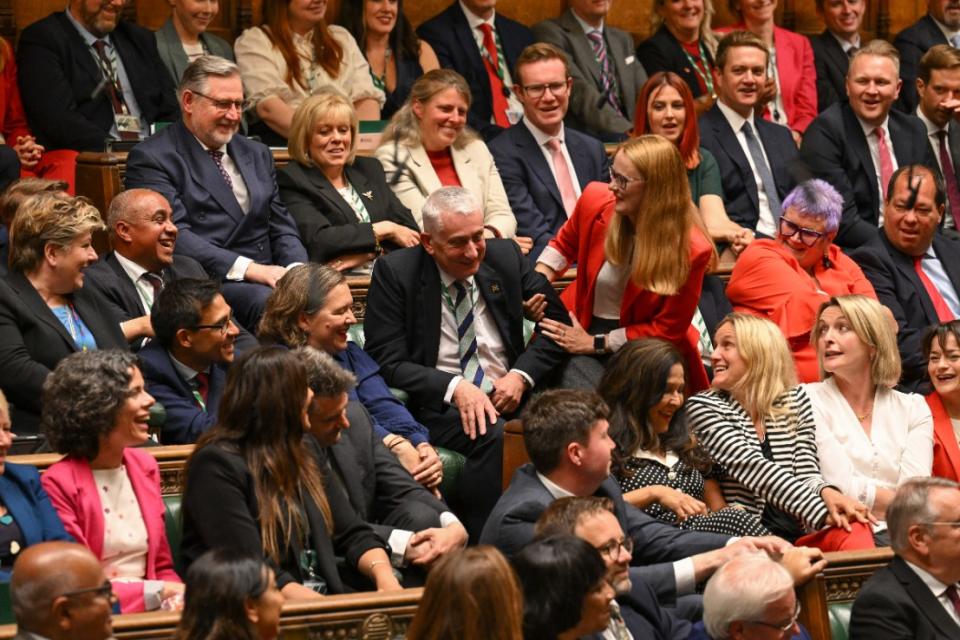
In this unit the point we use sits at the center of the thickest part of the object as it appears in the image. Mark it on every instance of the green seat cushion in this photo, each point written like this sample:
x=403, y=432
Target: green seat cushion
x=453, y=463
x=174, y=523
x=839, y=620
x=6, y=607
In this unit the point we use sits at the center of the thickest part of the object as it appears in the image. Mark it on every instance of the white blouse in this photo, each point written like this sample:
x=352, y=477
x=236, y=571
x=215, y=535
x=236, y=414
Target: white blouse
x=124, y=532
x=900, y=444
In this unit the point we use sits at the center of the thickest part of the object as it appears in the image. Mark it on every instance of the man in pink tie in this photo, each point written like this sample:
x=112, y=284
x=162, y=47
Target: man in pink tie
x=857, y=146
x=543, y=164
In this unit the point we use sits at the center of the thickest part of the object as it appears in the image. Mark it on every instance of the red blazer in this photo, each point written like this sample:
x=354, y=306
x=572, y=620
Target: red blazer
x=73, y=493
x=946, y=451
x=767, y=281
x=644, y=314
x=797, y=73
x=13, y=121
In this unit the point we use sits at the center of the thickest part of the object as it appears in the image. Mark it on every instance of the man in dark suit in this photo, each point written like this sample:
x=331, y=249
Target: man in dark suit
x=78, y=98
x=607, y=77
x=565, y=433
x=938, y=89
x=222, y=189
x=832, y=48
x=444, y=320
x=915, y=596
x=185, y=368
x=941, y=25
x=909, y=241
x=545, y=165
x=857, y=146
x=418, y=527
x=482, y=46
x=755, y=156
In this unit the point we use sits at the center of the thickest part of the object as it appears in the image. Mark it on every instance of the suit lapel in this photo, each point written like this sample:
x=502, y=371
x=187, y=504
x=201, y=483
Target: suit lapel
x=16, y=503
x=528, y=149
x=469, y=178
x=904, y=264
x=861, y=149
x=344, y=458
x=836, y=58
x=127, y=288
x=581, y=158
x=367, y=193
x=81, y=53
x=491, y=288
x=32, y=300
x=329, y=193
x=731, y=146
x=465, y=37
x=421, y=169
x=205, y=173
x=582, y=49
x=943, y=428
x=927, y=603
x=429, y=302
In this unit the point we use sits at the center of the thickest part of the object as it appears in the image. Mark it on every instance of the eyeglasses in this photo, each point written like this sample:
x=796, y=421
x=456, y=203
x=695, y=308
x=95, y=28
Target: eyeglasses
x=103, y=591
x=537, y=90
x=785, y=628
x=955, y=525
x=220, y=326
x=225, y=105
x=808, y=237
x=621, y=181
x=611, y=550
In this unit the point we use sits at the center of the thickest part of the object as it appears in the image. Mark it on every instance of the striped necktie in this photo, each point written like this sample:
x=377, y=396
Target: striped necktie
x=607, y=79
x=463, y=306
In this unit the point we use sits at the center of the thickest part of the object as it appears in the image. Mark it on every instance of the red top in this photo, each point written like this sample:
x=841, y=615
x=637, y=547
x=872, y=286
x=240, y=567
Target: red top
x=13, y=121
x=767, y=281
x=693, y=50
x=946, y=451
x=442, y=162
x=644, y=314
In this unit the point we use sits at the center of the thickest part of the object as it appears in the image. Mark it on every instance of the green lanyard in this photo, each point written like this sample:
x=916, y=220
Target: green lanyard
x=706, y=77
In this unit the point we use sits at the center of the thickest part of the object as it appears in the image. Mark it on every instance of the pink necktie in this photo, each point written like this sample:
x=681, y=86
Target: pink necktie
x=567, y=193
x=886, y=161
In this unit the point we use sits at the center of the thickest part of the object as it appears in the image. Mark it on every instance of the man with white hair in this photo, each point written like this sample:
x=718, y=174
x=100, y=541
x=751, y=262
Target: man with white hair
x=915, y=596
x=444, y=320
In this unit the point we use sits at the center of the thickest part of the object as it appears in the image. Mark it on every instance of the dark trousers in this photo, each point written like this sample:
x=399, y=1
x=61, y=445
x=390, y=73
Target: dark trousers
x=247, y=300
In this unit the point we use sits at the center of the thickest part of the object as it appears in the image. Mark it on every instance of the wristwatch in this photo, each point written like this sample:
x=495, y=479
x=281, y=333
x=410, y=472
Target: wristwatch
x=600, y=343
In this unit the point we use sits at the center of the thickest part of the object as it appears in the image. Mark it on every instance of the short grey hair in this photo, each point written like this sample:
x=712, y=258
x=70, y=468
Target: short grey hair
x=325, y=377
x=195, y=75
x=742, y=589
x=448, y=200
x=124, y=203
x=910, y=506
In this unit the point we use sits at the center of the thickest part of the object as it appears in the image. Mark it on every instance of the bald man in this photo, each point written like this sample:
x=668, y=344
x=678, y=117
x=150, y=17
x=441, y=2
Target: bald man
x=59, y=592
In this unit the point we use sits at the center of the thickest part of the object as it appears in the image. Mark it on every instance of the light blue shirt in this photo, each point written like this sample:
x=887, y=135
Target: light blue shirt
x=932, y=266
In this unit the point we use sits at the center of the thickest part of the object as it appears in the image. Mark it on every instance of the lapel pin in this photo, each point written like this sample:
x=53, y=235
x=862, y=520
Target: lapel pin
x=368, y=195
x=494, y=287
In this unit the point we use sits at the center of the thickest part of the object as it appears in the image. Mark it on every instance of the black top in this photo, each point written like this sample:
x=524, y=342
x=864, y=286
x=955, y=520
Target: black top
x=11, y=542
x=408, y=70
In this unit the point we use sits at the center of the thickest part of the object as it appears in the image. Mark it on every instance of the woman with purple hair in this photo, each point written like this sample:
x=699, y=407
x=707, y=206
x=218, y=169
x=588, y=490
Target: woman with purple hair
x=786, y=279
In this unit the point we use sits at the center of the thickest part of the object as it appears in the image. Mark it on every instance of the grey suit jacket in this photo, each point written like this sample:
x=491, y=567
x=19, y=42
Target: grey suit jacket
x=589, y=110
x=175, y=58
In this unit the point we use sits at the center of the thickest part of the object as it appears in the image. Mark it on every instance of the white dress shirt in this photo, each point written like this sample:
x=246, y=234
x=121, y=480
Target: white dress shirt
x=933, y=134
x=937, y=588
x=514, y=108
x=135, y=273
x=874, y=145
x=765, y=223
x=934, y=270
x=542, y=140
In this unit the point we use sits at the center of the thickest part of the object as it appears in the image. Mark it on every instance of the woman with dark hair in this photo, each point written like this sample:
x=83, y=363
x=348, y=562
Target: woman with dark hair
x=396, y=56
x=565, y=591
x=665, y=107
x=106, y=490
x=230, y=596
x=658, y=463
x=471, y=594
x=252, y=486
x=941, y=349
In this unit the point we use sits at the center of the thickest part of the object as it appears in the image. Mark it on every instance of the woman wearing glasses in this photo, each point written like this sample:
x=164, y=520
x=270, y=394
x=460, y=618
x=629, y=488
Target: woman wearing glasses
x=787, y=279
x=641, y=252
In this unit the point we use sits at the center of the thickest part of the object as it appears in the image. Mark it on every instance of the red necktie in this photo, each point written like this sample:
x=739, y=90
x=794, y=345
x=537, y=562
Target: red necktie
x=953, y=190
x=886, y=161
x=114, y=90
x=953, y=597
x=203, y=385
x=939, y=304
x=492, y=62
x=564, y=181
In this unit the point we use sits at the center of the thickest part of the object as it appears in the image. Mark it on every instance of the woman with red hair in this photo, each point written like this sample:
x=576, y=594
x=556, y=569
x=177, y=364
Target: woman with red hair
x=665, y=107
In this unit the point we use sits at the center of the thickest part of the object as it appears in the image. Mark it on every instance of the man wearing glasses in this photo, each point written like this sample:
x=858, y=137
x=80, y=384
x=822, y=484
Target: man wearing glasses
x=59, y=592
x=544, y=165
x=222, y=189
x=915, y=596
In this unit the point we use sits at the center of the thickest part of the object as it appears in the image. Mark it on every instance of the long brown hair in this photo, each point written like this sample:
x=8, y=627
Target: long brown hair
x=261, y=416
x=327, y=52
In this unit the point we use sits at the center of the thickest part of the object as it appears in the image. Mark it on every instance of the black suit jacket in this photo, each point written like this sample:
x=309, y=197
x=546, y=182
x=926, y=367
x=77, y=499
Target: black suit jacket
x=895, y=604
x=739, y=184
x=831, y=64
x=60, y=82
x=327, y=225
x=835, y=149
x=33, y=341
x=656, y=544
x=662, y=52
x=450, y=36
x=402, y=324
x=953, y=148
x=898, y=287
x=912, y=43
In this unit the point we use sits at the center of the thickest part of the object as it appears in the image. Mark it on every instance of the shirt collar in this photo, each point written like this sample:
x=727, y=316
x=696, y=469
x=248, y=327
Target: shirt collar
x=131, y=268
x=223, y=148
x=448, y=279
x=88, y=38
x=948, y=33
x=541, y=137
x=474, y=20
x=869, y=128
x=932, y=583
x=587, y=28
x=187, y=373
x=932, y=129
x=846, y=44
x=668, y=460
x=735, y=119
x=553, y=488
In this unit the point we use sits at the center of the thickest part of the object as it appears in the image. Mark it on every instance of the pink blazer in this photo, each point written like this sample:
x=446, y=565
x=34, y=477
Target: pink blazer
x=73, y=493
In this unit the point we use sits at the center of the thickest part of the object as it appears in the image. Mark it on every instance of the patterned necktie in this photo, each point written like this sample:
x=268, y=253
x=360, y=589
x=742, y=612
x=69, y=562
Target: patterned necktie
x=564, y=181
x=155, y=282
x=493, y=61
x=953, y=189
x=218, y=160
x=463, y=306
x=939, y=304
x=617, y=624
x=766, y=177
x=886, y=161
x=953, y=597
x=203, y=388
x=114, y=90
x=607, y=79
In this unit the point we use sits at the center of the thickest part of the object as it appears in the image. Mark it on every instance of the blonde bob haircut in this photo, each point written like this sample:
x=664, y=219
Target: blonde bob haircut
x=404, y=126
x=706, y=33
x=646, y=240
x=328, y=107
x=53, y=218
x=874, y=328
x=769, y=364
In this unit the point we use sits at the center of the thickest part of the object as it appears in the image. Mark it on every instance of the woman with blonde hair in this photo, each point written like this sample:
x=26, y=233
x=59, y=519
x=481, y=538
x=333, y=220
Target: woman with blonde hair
x=758, y=426
x=344, y=210
x=471, y=594
x=427, y=146
x=870, y=437
x=641, y=252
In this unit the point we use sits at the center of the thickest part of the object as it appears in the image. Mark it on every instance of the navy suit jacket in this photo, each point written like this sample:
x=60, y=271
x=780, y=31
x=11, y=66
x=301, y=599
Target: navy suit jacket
x=214, y=231
x=656, y=544
x=831, y=64
x=531, y=187
x=835, y=149
x=912, y=43
x=895, y=604
x=898, y=287
x=739, y=184
x=450, y=36
x=60, y=82
x=28, y=503
x=186, y=421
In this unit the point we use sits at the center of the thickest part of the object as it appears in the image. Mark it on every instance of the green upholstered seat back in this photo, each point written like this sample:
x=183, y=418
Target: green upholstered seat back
x=840, y=620
x=173, y=520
